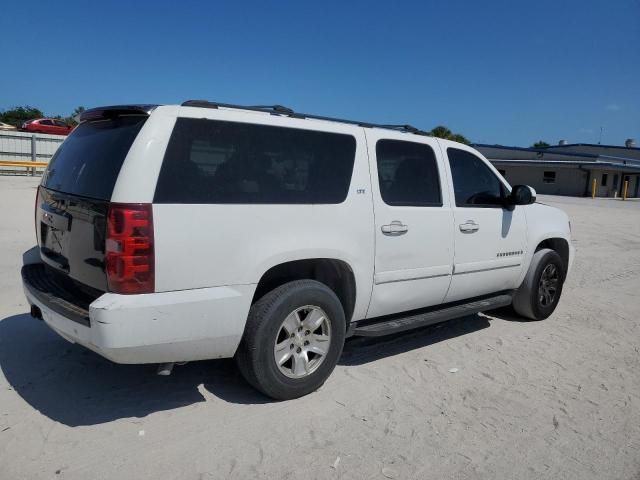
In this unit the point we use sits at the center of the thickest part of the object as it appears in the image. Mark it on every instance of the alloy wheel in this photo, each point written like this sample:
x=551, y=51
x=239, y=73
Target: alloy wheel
x=303, y=341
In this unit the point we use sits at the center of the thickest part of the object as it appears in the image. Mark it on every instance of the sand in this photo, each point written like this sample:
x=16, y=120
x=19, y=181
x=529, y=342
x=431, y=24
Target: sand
x=552, y=399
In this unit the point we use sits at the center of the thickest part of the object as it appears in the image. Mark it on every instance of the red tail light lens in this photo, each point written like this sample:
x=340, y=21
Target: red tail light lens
x=129, y=256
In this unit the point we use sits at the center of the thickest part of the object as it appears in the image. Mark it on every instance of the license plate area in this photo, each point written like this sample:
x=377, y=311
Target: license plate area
x=53, y=246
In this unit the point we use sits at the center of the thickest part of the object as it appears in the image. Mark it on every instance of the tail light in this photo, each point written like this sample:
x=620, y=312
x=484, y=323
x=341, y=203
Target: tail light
x=129, y=255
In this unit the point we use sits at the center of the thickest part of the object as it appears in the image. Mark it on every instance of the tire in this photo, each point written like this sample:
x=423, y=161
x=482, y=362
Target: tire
x=269, y=325
x=538, y=297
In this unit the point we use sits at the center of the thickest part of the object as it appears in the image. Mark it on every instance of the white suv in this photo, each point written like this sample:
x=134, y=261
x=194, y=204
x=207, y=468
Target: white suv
x=179, y=233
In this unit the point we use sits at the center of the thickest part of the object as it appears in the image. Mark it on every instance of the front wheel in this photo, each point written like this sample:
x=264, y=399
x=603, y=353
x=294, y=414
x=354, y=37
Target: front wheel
x=292, y=340
x=539, y=294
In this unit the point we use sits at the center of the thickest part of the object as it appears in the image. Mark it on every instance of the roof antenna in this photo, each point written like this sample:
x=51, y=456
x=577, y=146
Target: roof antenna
x=600, y=139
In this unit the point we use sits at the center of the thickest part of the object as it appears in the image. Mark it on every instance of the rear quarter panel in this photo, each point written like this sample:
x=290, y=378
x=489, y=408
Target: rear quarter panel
x=200, y=246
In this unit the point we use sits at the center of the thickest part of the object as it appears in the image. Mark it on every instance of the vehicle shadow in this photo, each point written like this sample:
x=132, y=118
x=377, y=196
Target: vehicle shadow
x=76, y=387
x=360, y=350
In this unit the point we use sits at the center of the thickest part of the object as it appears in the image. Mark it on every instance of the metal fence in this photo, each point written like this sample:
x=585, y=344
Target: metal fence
x=22, y=146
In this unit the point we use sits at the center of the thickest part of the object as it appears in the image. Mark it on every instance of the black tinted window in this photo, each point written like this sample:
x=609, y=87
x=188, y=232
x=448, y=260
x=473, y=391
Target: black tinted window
x=210, y=161
x=475, y=185
x=89, y=160
x=408, y=174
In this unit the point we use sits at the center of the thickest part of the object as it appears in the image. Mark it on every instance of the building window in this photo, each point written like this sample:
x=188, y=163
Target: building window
x=615, y=181
x=549, y=177
x=604, y=179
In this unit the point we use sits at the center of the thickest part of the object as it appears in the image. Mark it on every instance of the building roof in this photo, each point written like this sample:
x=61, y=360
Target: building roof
x=591, y=148
x=598, y=145
x=599, y=165
x=503, y=155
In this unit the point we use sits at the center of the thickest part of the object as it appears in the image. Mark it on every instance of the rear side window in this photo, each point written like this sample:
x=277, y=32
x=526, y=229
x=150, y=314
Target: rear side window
x=474, y=183
x=89, y=160
x=211, y=161
x=408, y=174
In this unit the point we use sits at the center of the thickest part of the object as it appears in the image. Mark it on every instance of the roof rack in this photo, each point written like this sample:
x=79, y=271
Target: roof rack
x=282, y=110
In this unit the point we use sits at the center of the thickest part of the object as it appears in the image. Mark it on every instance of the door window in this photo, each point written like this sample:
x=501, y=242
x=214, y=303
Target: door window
x=408, y=174
x=474, y=183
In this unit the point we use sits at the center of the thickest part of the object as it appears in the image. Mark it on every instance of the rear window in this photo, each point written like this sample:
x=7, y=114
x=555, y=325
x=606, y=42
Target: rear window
x=89, y=160
x=211, y=161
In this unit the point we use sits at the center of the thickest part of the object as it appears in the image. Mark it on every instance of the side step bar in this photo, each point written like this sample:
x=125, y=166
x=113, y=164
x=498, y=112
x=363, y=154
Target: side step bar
x=389, y=325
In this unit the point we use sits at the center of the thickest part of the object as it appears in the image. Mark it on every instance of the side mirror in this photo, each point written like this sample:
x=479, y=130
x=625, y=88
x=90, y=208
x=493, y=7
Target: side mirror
x=522, y=195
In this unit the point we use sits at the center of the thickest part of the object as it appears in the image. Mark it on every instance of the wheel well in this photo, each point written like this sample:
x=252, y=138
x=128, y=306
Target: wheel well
x=560, y=245
x=335, y=274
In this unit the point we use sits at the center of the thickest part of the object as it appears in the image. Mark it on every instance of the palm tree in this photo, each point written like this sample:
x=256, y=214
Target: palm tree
x=540, y=144
x=443, y=132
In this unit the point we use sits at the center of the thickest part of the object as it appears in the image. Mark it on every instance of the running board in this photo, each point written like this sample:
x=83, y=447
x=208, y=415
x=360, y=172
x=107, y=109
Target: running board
x=397, y=324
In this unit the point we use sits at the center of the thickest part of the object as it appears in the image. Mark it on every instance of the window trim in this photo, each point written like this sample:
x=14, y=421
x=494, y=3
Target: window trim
x=504, y=191
x=439, y=204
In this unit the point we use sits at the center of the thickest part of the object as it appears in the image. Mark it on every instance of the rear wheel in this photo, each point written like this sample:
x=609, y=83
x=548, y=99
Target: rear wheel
x=293, y=339
x=539, y=294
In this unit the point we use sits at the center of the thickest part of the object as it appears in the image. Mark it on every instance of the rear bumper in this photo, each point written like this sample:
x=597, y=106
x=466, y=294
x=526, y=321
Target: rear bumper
x=163, y=327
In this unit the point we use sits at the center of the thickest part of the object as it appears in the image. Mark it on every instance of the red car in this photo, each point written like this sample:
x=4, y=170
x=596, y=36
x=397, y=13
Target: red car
x=47, y=125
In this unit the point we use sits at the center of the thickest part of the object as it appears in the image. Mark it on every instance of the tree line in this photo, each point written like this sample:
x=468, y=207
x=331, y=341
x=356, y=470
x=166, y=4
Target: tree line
x=16, y=116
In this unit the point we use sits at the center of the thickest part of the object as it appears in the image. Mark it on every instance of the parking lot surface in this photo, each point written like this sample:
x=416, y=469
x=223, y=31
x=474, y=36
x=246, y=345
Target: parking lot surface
x=553, y=399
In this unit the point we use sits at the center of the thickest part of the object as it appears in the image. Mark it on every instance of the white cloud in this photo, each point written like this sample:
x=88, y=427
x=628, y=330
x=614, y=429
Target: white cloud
x=614, y=107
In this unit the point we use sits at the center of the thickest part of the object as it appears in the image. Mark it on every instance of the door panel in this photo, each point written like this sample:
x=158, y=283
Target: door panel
x=490, y=240
x=488, y=260
x=413, y=223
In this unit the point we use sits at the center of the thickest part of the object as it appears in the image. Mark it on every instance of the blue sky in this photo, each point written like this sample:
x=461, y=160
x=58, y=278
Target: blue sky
x=508, y=72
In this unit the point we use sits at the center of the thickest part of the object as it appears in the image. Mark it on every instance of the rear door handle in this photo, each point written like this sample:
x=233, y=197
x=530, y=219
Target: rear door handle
x=394, y=229
x=469, y=227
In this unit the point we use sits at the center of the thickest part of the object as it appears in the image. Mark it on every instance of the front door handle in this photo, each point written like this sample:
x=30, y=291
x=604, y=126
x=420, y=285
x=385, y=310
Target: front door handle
x=394, y=229
x=469, y=227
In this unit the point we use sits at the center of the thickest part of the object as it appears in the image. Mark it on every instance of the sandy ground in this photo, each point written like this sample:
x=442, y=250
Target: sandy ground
x=554, y=399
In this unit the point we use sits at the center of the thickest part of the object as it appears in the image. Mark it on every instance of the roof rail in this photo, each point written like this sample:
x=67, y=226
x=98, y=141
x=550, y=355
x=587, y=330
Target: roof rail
x=276, y=108
x=281, y=110
x=406, y=128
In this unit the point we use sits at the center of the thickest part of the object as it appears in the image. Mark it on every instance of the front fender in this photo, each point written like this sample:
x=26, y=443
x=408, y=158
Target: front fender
x=544, y=223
